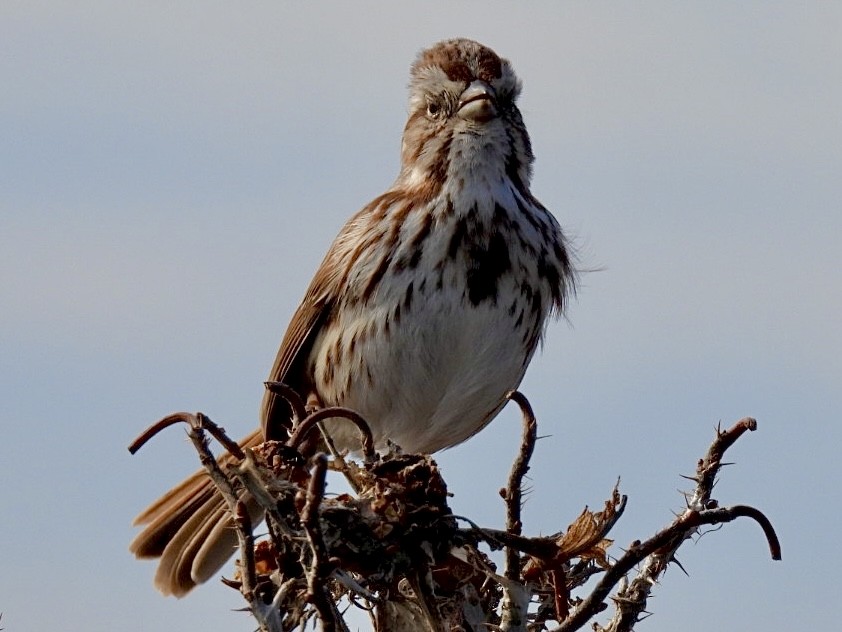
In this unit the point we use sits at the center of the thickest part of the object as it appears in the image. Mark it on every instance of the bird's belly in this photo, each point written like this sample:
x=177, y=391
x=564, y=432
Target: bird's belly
x=431, y=377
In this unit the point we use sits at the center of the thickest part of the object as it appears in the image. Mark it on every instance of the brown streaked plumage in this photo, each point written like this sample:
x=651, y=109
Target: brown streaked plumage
x=426, y=309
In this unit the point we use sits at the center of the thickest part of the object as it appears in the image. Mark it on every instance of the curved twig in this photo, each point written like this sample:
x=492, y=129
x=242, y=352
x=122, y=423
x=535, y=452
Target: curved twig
x=158, y=426
x=312, y=421
x=195, y=421
x=294, y=400
x=727, y=514
x=514, y=487
x=658, y=550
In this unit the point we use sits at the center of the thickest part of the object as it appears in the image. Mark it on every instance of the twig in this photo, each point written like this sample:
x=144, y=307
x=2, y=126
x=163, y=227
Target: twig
x=514, y=488
x=193, y=420
x=267, y=619
x=540, y=547
x=312, y=421
x=218, y=433
x=292, y=398
x=321, y=566
x=516, y=601
x=659, y=550
x=727, y=514
x=709, y=466
x=249, y=573
x=158, y=426
x=222, y=483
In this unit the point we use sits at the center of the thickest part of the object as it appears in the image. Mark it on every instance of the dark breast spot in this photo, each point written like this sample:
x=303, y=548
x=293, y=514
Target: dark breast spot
x=416, y=247
x=376, y=277
x=485, y=267
x=407, y=299
x=459, y=235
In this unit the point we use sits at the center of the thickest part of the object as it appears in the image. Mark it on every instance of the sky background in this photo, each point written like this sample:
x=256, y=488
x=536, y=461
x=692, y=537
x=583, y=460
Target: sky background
x=171, y=175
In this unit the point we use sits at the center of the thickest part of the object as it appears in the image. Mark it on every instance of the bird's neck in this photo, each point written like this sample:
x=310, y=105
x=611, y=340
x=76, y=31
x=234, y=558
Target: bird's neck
x=473, y=169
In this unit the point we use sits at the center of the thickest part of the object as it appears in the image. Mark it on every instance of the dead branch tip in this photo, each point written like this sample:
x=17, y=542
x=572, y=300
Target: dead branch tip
x=195, y=421
x=292, y=398
x=726, y=514
x=312, y=421
x=158, y=426
x=514, y=488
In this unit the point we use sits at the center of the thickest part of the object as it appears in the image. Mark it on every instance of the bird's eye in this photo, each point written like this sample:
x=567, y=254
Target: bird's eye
x=433, y=109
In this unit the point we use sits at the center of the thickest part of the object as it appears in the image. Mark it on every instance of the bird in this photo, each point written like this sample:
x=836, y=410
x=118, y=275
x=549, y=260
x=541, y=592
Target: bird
x=427, y=308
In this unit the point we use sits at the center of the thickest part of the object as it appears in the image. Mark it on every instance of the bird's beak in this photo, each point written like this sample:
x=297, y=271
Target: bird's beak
x=478, y=102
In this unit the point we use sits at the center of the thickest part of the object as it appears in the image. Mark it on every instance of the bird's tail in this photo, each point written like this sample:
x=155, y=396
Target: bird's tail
x=190, y=529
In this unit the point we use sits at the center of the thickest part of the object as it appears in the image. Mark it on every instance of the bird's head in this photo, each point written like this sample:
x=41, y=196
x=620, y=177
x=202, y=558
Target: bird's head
x=463, y=113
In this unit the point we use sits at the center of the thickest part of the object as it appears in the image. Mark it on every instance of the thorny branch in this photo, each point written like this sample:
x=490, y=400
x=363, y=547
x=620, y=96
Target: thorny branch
x=321, y=566
x=515, y=604
x=199, y=423
x=513, y=494
x=393, y=547
x=659, y=550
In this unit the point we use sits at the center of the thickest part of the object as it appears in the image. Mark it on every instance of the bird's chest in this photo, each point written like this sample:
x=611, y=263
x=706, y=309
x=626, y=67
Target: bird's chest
x=448, y=327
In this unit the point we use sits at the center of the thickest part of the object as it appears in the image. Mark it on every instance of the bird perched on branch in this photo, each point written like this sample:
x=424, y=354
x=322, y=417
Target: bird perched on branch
x=427, y=308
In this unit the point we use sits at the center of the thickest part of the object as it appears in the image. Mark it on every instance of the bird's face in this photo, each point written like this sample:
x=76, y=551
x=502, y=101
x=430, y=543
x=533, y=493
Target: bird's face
x=462, y=106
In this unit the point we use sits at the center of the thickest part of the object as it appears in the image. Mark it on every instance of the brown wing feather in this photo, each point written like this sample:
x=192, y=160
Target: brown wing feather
x=189, y=527
x=289, y=367
x=325, y=289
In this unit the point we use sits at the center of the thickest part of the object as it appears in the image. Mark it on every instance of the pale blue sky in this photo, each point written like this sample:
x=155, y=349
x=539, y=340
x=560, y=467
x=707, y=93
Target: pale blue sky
x=171, y=176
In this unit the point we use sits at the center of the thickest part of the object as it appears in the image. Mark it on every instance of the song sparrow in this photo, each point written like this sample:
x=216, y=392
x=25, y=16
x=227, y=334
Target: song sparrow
x=428, y=306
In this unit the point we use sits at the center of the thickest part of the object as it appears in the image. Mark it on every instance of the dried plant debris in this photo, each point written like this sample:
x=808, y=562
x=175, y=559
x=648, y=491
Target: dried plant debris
x=394, y=548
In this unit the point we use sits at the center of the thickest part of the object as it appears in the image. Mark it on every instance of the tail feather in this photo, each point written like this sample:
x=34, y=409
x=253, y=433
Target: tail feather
x=173, y=500
x=221, y=543
x=153, y=540
x=190, y=530
x=175, y=570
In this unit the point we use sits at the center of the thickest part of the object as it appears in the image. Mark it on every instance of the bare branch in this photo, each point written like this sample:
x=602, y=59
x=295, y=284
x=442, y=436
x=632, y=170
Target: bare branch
x=709, y=465
x=515, y=603
x=312, y=421
x=721, y=515
x=513, y=494
x=294, y=400
x=393, y=546
x=218, y=433
x=266, y=617
x=158, y=426
x=192, y=420
x=246, y=551
x=321, y=566
x=659, y=550
x=541, y=547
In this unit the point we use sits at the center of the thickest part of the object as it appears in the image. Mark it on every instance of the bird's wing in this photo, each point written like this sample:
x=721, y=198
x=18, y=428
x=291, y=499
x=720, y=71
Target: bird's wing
x=328, y=285
x=290, y=365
